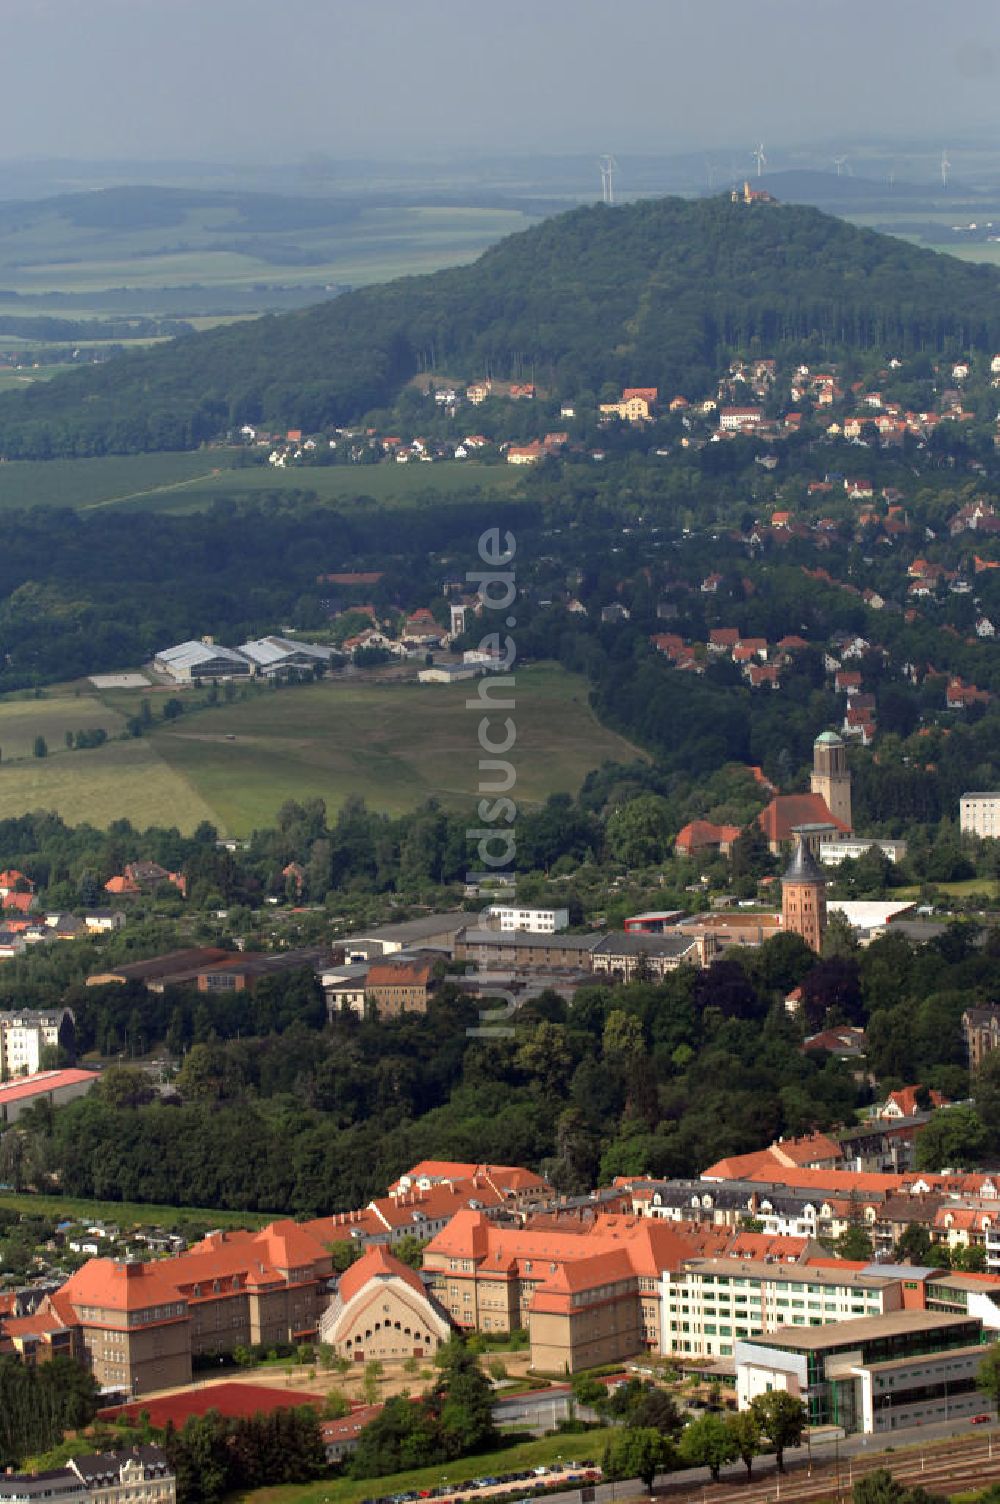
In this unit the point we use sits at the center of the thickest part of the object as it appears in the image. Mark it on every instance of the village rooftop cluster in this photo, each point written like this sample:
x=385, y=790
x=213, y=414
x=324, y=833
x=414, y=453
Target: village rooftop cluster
x=639, y=1267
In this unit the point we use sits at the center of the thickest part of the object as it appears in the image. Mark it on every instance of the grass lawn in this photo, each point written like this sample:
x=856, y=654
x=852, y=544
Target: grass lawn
x=128, y=1213
x=192, y=481
x=971, y=887
x=542, y=1452
x=394, y=744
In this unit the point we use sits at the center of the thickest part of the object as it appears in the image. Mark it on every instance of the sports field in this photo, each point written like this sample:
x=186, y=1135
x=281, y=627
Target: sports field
x=393, y=744
x=188, y=482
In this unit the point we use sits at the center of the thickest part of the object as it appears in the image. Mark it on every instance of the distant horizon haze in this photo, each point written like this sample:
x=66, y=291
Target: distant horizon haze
x=216, y=81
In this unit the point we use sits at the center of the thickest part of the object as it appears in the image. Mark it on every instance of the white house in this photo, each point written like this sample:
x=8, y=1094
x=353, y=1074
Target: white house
x=507, y=918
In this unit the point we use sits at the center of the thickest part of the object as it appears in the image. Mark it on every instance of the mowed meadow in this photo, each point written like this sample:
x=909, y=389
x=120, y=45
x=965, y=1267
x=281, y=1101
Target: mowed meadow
x=182, y=481
x=393, y=744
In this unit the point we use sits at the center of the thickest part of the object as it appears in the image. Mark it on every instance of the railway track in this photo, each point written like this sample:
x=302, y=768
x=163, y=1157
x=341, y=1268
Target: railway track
x=941, y=1467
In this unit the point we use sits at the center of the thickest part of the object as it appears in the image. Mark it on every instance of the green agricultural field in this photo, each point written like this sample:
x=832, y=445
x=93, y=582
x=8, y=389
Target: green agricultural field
x=22, y=719
x=192, y=481
x=120, y=781
x=988, y=252
x=208, y=249
x=139, y=479
x=127, y=1213
x=970, y=887
x=12, y=380
x=393, y=744
x=388, y=484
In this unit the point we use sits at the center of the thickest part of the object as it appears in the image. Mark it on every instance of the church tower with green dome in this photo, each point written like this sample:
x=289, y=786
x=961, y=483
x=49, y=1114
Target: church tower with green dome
x=831, y=776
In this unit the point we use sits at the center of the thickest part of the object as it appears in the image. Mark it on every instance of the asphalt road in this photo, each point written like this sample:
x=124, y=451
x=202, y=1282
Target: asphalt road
x=973, y=1458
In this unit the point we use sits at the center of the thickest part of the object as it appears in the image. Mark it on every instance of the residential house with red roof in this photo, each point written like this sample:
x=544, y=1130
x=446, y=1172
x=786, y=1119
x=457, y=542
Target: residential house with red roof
x=526, y=454
x=637, y=404
x=701, y=837
x=740, y=419
x=903, y=1103
x=763, y=675
x=144, y=877
x=723, y=639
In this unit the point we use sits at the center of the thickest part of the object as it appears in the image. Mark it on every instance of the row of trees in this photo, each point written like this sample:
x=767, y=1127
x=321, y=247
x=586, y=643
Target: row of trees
x=38, y=1404
x=213, y=1456
x=711, y=1441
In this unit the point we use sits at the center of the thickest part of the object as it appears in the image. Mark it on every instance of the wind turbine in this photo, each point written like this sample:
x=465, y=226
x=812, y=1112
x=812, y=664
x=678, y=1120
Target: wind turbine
x=759, y=157
x=945, y=164
x=840, y=163
x=608, y=166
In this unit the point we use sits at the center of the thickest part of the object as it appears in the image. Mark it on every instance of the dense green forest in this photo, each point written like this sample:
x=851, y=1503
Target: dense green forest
x=653, y=293
x=657, y=1078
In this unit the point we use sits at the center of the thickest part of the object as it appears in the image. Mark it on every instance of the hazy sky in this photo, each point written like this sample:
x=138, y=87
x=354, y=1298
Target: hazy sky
x=244, y=78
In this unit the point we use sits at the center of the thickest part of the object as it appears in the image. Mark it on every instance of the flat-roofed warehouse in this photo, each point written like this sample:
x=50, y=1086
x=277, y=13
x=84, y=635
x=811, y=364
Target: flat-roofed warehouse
x=213, y=970
x=273, y=656
x=428, y=932
x=526, y=948
x=201, y=660
x=870, y=1374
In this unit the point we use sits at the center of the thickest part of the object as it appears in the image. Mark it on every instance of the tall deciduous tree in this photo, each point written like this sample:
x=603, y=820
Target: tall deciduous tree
x=638, y=1452
x=745, y=1431
x=782, y=1418
x=709, y=1442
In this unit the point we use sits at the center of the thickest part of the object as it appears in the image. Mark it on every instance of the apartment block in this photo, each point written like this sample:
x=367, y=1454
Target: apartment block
x=979, y=815
x=710, y=1304
x=25, y=1036
x=535, y=921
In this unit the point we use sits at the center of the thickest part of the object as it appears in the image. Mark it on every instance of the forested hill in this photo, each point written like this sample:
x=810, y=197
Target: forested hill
x=652, y=294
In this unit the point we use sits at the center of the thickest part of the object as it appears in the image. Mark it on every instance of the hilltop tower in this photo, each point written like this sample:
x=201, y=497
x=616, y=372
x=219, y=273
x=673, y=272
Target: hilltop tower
x=803, y=898
x=831, y=776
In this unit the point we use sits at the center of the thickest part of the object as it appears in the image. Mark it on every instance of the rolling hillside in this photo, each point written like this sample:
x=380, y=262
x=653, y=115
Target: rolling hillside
x=650, y=293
